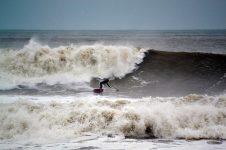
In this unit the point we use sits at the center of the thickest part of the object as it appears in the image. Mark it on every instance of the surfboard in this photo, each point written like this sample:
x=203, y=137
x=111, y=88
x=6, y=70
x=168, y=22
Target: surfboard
x=98, y=90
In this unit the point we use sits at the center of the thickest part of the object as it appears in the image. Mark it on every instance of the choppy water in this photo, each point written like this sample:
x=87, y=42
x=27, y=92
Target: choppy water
x=171, y=85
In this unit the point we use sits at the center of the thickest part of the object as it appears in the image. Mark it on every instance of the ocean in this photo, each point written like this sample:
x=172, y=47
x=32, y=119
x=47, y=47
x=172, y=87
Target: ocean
x=168, y=89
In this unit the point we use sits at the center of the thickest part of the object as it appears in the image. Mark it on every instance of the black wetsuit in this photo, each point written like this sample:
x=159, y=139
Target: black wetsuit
x=104, y=82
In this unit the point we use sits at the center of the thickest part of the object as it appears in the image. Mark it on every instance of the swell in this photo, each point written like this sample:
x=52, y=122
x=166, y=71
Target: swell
x=177, y=73
x=189, y=117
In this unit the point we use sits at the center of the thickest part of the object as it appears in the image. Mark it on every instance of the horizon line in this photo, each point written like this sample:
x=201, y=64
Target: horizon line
x=112, y=29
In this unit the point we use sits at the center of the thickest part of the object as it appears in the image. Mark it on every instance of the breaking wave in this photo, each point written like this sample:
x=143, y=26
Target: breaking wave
x=36, y=63
x=137, y=72
x=188, y=117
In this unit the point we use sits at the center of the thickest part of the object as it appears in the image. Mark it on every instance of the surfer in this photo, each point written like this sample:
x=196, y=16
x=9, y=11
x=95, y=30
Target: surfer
x=105, y=82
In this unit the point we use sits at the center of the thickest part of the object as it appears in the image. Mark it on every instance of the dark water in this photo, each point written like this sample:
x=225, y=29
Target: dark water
x=177, y=73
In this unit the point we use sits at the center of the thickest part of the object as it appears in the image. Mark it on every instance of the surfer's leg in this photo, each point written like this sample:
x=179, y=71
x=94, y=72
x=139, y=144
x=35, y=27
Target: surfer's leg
x=101, y=85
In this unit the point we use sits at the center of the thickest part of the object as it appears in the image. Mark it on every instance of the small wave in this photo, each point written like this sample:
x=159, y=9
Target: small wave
x=189, y=117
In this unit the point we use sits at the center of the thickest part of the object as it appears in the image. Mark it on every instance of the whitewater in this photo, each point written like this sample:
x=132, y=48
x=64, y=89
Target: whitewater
x=36, y=63
x=169, y=96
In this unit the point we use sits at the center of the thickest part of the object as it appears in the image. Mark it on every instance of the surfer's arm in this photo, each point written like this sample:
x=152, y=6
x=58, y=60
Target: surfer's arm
x=108, y=85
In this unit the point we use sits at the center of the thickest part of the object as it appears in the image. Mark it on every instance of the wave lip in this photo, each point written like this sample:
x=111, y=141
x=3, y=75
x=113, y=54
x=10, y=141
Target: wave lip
x=189, y=117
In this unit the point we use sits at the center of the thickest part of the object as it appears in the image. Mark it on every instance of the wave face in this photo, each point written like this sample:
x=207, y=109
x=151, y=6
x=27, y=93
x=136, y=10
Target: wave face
x=188, y=117
x=176, y=73
x=36, y=63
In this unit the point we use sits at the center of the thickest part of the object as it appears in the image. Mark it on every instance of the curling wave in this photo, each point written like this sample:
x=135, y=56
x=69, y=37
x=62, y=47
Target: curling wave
x=176, y=74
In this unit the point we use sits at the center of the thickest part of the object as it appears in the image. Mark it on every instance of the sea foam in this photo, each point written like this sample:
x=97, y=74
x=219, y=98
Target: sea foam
x=188, y=117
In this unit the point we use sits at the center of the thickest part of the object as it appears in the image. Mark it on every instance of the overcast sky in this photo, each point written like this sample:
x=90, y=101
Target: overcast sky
x=112, y=14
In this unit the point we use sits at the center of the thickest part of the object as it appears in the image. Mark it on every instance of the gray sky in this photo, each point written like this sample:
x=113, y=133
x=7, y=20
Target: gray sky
x=112, y=14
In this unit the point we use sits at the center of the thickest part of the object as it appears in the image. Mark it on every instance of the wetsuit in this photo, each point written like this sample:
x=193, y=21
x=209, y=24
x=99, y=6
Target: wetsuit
x=104, y=82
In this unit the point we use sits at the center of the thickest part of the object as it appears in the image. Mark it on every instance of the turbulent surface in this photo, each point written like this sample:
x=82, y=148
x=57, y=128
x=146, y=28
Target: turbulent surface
x=189, y=117
x=171, y=85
